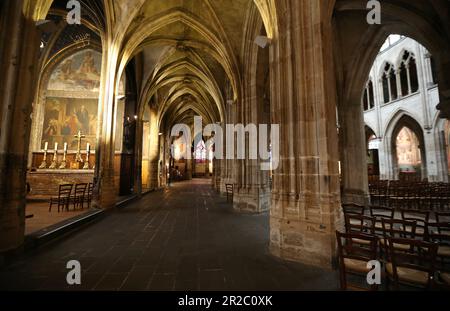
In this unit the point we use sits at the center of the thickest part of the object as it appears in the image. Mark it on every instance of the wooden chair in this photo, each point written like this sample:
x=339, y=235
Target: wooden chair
x=230, y=192
x=422, y=218
x=380, y=212
x=353, y=209
x=78, y=197
x=440, y=233
x=359, y=224
x=89, y=194
x=396, y=228
x=63, y=198
x=415, y=267
x=354, y=257
x=442, y=217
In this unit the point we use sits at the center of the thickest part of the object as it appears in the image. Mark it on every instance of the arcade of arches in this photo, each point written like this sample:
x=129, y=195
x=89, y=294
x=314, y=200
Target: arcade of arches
x=133, y=69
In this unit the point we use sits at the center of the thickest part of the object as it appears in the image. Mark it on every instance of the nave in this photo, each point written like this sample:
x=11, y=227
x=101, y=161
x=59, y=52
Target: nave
x=186, y=237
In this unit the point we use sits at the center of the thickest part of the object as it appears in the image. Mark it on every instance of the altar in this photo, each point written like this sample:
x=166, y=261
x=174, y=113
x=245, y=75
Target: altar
x=45, y=183
x=52, y=168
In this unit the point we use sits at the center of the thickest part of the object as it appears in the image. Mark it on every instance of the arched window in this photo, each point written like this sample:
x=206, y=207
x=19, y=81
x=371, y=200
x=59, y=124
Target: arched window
x=200, y=152
x=433, y=70
x=409, y=80
x=389, y=81
x=368, y=97
x=408, y=151
x=371, y=95
x=365, y=100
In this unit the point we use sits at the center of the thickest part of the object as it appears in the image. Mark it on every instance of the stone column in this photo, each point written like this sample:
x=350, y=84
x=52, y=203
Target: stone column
x=353, y=151
x=105, y=191
x=305, y=197
x=19, y=60
x=138, y=151
x=227, y=173
x=154, y=151
x=189, y=169
x=252, y=192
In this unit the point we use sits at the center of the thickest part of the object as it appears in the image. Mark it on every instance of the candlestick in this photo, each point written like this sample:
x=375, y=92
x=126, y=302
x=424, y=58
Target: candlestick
x=86, y=162
x=64, y=162
x=44, y=161
x=54, y=164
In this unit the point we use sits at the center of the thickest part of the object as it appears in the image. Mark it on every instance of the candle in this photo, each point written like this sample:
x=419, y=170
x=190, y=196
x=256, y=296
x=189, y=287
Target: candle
x=46, y=146
x=65, y=146
x=56, y=146
x=88, y=147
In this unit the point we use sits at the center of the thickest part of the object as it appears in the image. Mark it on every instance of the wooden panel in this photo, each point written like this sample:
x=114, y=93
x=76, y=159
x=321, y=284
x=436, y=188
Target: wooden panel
x=45, y=183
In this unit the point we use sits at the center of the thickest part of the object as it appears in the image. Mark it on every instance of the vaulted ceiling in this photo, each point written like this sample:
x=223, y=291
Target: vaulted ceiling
x=188, y=53
x=191, y=54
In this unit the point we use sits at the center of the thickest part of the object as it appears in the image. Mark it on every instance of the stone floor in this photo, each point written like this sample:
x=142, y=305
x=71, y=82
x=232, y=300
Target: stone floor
x=42, y=218
x=183, y=238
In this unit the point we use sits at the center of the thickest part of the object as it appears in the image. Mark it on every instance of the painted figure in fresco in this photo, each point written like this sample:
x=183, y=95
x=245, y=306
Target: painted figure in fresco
x=52, y=128
x=83, y=119
x=66, y=70
x=88, y=65
x=93, y=125
x=66, y=130
x=73, y=123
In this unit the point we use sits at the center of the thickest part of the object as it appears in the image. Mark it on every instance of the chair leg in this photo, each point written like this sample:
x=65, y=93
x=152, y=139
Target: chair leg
x=343, y=280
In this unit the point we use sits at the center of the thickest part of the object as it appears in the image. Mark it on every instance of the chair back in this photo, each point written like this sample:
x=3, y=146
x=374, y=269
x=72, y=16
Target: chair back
x=381, y=212
x=90, y=188
x=65, y=191
x=349, y=246
x=439, y=233
x=397, y=228
x=442, y=217
x=353, y=209
x=422, y=256
x=80, y=189
x=359, y=224
x=422, y=218
x=229, y=188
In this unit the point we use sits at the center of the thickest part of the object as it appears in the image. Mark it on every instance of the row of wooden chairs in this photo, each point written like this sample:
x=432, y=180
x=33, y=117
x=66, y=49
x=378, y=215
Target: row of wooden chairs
x=230, y=192
x=77, y=194
x=412, y=195
x=414, y=251
x=407, y=262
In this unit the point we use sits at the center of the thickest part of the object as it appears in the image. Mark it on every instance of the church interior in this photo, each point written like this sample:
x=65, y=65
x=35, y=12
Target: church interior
x=90, y=168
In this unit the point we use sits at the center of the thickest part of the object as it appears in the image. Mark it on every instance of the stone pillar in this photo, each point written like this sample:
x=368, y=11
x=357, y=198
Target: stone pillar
x=227, y=173
x=138, y=151
x=443, y=72
x=217, y=173
x=189, y=169
x=353, y=152
x=19, y=60
x=154, y=152
x=305, y=197
x=105, y=191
